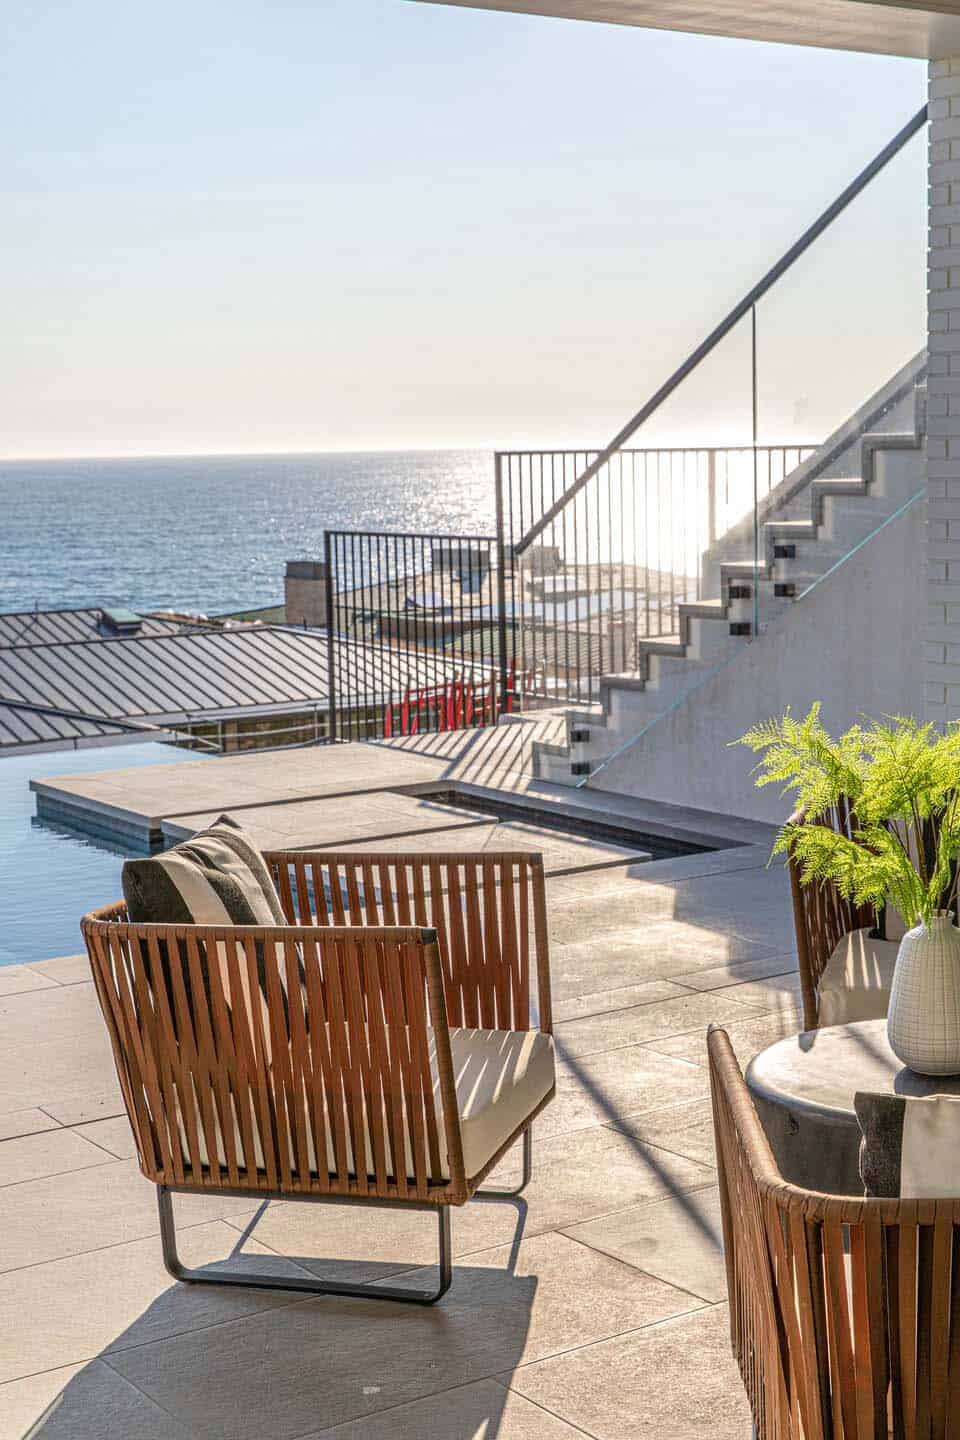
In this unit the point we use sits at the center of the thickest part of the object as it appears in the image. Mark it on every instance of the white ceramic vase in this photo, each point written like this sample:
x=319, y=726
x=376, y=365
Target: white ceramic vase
x=923, y=1022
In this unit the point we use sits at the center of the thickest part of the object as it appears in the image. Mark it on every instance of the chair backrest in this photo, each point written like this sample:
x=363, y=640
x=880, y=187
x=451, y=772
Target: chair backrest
x=821, y=917
x=288, y=1060
x=844, y=1312
x=488, y=910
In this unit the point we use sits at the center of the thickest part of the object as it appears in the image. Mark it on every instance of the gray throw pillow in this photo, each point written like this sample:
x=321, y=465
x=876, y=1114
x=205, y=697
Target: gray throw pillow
x=910, y=1145
x=217, y=877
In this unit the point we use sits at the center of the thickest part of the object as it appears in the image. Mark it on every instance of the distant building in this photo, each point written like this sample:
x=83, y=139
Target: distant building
x=76, y=678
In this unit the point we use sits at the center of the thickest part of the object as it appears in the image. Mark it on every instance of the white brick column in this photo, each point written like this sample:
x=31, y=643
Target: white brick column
x=942, y=668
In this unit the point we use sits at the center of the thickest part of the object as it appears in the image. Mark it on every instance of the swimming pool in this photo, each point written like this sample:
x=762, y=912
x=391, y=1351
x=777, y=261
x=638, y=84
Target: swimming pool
x=49, y=876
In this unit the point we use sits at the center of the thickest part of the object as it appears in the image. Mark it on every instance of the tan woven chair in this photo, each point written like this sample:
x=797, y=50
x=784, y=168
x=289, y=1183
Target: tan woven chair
x=390, y=1022
x=844, y=1312
x=821, y=918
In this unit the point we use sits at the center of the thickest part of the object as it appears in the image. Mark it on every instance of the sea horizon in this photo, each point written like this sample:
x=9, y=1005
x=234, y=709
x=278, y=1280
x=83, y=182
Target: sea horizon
x=212, y=533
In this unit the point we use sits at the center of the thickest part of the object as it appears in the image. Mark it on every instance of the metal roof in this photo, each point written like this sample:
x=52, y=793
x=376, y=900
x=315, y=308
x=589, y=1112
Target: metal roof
x=65, y=691
x=52, y=627
x=23, y=726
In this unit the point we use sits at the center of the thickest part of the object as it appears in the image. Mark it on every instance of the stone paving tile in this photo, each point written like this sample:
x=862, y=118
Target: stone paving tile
x=128, y=1299
x=15, y=979
x=330, y=824
x=659, y=950
x=55, y=1012
x=114, y=1136
x=64, y=970
x=25, y=1122
x=679, y=1240
x=741, y=972
x=751, y=906
x=647, y=992
x=85, y=1104
x=776, y=992
x=49, y=1152
x=107, y=1204
x=603, y=1089
x=82, y=1402
x=482, y=1411
x=26, y=1405
x=574, y=1176
x=60, y=1076
x=727, y=861
x=748, y=1037
x=560, y=852
x=183, y=788
x=675, y=1381
x=56, y=1049
x=683, y=1129
x=620, y=1028
x=334, y=1360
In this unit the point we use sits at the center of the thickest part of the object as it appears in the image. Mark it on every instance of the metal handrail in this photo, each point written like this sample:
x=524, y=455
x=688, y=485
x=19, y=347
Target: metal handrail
x=812, y=233
x=704, y=449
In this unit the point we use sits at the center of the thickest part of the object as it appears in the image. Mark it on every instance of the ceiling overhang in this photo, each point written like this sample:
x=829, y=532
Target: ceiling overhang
x=907, y=28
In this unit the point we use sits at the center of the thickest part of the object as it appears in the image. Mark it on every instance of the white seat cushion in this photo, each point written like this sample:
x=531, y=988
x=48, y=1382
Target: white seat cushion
x=855, y=984
x=501, y=1077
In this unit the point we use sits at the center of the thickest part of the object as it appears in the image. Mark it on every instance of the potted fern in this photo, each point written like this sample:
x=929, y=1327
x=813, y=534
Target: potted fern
x=901, y=780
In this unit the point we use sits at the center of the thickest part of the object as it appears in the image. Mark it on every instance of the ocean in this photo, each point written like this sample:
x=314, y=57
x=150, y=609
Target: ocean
x=213, y=533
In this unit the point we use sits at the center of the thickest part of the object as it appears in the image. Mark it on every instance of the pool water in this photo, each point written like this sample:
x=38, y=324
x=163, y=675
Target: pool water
x=49, y=876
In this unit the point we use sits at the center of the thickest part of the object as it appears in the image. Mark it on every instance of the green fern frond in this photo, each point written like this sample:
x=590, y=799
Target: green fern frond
x=902, y=781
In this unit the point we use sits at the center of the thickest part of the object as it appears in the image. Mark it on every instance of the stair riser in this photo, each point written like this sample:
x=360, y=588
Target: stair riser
x=832, y=520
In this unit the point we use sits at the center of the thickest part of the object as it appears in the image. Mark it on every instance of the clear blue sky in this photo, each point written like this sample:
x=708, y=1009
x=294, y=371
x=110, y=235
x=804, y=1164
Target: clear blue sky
x=265, y=225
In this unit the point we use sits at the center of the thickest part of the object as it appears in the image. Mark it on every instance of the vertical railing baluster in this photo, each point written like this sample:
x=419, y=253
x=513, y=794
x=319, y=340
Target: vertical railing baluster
x=501, y=588
x=328, y=551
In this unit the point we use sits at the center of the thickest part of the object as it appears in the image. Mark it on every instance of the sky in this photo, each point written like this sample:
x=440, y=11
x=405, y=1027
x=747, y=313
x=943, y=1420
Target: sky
x=305, y=225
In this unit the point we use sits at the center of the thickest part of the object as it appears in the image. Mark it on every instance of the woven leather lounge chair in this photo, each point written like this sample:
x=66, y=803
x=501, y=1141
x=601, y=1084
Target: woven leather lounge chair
x=380, y=1049
x=843, y=1309
x=837, y=956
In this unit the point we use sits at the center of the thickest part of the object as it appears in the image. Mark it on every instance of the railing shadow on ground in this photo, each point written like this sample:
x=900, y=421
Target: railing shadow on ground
x=685, y=906
x=308, y=1363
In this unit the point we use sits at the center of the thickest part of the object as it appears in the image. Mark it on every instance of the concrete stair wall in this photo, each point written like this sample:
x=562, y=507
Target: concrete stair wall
x=817, y=516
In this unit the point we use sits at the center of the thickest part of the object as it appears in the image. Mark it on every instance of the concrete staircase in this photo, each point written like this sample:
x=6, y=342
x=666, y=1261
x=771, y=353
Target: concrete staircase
x=819, y=514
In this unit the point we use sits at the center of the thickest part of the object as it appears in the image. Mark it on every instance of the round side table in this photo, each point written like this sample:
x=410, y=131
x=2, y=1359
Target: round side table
x=803, y=1088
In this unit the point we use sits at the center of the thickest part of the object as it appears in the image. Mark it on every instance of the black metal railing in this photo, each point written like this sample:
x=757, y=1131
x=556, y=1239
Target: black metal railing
x=416, y=630
x=614, y=563
x=603, y=547
x=598, y=550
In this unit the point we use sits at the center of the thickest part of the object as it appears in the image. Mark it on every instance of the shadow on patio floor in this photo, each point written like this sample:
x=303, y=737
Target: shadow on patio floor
x=211, y=1362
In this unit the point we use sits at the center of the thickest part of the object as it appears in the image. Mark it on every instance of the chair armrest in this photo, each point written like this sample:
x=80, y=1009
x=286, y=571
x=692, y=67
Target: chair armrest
x=821, y=918
x=277, y=1025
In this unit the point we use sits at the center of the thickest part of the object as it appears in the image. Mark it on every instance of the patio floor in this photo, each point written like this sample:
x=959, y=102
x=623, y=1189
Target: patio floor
x=593, y=1306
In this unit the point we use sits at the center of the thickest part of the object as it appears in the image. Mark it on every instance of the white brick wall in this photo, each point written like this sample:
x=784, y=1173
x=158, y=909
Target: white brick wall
x=942, y=649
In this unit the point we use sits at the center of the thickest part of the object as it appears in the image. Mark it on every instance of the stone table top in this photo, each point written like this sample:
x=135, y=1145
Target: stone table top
x=823, y=1069
x=804, y=1085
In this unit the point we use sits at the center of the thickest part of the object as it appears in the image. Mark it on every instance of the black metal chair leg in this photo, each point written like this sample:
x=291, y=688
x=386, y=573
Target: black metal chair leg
x=494, y=1194
x=254, y=1281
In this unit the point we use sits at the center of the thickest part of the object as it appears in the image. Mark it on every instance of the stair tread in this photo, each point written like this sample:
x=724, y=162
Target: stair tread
x=663, y=645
